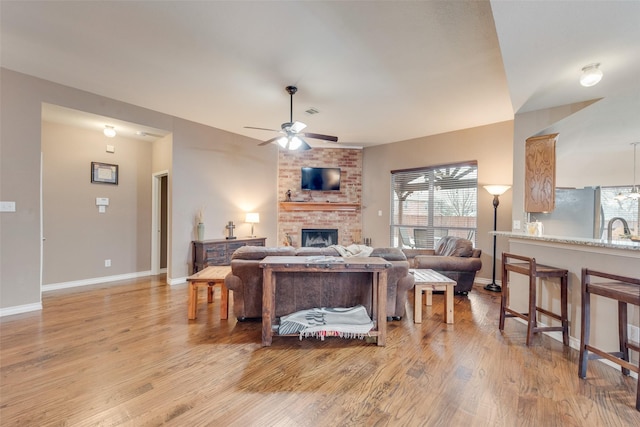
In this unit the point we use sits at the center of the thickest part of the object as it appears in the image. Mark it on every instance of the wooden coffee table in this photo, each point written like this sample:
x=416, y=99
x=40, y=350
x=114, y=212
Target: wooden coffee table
x=209, y=277
x=427, y=280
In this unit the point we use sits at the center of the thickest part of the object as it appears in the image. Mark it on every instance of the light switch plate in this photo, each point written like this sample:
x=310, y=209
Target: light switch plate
x=7, y=206
x=516, y=224
x=102, y=201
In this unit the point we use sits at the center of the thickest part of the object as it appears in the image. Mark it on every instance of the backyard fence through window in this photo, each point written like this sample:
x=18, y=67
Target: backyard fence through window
x=432, y=202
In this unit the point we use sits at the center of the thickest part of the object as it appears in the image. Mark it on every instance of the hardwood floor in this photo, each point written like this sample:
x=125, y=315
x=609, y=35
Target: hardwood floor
x=125, y=354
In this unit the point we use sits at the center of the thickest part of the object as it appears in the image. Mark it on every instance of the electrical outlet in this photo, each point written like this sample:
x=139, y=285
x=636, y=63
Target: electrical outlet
x=516, y=224
x=107, y=263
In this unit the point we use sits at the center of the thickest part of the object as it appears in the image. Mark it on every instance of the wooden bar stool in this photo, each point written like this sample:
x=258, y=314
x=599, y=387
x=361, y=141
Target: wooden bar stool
x=530, y=268
x=625, y=290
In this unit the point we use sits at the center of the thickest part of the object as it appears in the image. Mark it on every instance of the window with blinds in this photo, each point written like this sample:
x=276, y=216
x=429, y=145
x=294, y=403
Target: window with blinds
x=432, y=202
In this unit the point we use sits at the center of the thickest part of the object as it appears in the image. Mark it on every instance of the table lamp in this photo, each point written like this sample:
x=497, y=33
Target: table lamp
x=252, y=218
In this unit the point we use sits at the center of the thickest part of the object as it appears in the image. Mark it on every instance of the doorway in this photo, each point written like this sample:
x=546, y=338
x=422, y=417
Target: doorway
x=160, y=223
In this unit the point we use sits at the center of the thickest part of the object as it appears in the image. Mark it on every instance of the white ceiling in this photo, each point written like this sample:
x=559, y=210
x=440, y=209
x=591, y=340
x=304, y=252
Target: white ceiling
x=378, y=71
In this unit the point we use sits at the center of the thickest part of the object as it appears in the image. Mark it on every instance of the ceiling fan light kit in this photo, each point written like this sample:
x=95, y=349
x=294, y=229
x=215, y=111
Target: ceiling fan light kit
x=292, y=131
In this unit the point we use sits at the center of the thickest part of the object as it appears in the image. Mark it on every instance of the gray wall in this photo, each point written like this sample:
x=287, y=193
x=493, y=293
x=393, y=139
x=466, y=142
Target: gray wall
x=490, y=145
x=226, y=173
x=78, y=237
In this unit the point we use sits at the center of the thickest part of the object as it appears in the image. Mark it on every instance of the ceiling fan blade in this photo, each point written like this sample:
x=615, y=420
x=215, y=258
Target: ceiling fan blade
x=319, y=136
x=272, y=130
x=297, y=127
x=269, y=141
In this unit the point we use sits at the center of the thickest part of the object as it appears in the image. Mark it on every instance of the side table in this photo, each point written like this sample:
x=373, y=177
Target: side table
x=427, y=280
x=209, y=277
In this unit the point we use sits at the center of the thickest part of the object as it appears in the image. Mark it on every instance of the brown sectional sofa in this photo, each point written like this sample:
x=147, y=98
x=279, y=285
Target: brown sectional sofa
x=299, y=291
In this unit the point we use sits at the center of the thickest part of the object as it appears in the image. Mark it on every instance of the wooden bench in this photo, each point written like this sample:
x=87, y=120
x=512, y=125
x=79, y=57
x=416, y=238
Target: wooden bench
x=209, y=277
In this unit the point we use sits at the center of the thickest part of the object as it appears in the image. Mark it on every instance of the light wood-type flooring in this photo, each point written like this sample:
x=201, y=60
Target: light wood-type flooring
x=124, y=353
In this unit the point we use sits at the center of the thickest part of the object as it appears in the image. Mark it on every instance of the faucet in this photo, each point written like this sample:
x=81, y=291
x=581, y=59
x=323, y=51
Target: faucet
x=625, y=226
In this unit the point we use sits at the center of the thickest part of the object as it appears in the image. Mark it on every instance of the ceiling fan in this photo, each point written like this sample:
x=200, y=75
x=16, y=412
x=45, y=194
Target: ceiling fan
x=291, y=137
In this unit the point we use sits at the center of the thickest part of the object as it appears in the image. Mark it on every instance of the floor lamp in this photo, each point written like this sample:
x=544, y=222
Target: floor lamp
x=496, y=191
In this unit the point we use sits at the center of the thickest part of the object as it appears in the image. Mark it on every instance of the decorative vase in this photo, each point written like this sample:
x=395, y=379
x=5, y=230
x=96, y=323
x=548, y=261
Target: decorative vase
x=200, y=231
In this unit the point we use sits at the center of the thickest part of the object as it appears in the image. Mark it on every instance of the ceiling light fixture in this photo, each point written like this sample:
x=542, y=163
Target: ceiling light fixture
x=109, y=131
x=635, y=191
x=591, y=75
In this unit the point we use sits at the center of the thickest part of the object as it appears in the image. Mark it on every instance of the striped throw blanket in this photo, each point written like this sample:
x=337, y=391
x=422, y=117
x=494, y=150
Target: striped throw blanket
x=353, y=322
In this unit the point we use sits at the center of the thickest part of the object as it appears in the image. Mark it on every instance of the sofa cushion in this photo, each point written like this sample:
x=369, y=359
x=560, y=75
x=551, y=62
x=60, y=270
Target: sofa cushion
x=440, y=263
x=390, y=254
x=260, y=252
x=313, y=251
x=454, y=246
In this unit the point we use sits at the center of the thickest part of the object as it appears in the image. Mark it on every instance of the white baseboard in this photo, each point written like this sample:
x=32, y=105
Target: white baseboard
x=20, y=309
x=177, y=281
x=94, y=281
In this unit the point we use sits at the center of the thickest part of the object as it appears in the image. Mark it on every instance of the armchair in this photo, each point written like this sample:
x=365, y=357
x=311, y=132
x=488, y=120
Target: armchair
x=453, y=257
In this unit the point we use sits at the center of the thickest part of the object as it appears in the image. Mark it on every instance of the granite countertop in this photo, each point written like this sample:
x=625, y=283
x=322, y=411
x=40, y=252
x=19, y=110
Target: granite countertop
x=599, y=243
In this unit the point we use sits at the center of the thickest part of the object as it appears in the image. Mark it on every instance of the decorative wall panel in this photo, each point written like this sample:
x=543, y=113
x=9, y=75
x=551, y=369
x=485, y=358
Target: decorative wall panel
x=540, y=173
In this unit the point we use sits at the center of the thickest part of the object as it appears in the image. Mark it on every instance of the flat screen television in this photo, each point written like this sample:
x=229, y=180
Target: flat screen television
x=321, y=179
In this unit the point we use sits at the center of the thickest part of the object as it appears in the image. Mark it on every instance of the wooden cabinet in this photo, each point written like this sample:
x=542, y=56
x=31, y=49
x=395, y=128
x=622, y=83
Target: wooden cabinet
x=219, y=251
x=540, y=173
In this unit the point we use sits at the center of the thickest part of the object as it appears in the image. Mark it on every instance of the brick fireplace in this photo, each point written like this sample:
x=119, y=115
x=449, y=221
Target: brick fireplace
x=347, y=223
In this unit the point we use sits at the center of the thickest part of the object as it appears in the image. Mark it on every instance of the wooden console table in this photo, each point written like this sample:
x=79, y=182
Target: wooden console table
x=218, y=251
x=283, y=264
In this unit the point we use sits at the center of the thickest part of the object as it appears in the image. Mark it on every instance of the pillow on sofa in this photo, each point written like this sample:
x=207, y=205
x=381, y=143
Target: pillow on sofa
x=260, y=252
x=454, y=246
x=390, y=254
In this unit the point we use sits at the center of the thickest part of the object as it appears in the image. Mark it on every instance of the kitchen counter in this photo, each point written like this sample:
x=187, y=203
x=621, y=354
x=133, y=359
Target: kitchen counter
x=580, y=241
x=575, y=253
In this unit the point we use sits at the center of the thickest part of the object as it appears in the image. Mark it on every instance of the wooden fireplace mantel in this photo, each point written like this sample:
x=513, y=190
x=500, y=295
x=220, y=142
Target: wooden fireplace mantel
x=318, y=206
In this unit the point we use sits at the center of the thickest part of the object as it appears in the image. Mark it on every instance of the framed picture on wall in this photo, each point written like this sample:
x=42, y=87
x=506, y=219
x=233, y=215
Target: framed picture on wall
x=104, y=173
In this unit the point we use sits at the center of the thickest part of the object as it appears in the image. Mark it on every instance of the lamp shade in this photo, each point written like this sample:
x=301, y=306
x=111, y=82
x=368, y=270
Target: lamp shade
x=252, y=217
x=496, y=190
x=591, y=75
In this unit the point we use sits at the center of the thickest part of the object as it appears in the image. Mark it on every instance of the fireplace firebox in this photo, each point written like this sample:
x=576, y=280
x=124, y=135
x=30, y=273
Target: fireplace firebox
x=319, y=237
